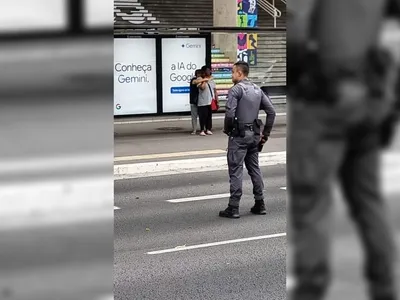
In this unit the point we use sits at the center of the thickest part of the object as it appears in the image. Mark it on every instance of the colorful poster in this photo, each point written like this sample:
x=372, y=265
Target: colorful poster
x=240, y=7
x=252, y=20
x=243, y=55
x=242, y=21
x=252, y=41
x=252, y=57
x=242, y=41
x=247, y=42
x=252, y=8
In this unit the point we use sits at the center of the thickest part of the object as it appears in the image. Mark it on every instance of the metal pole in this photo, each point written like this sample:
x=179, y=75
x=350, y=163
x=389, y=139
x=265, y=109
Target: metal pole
x=273, y=4
x=75, y=16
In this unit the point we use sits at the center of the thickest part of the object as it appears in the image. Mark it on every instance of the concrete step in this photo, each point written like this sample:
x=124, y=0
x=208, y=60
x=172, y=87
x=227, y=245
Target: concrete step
x=271, y=76
x=268, y=50
x=270, y=81
x=257, y=69
x=273, y=44
x=271, y=84
x=272, y=56
x=262, y=68
x=267, y=63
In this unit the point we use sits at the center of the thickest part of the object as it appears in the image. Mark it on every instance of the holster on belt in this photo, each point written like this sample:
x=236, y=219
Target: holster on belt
x=241, y=129
x=257, y=126
x=235, y=130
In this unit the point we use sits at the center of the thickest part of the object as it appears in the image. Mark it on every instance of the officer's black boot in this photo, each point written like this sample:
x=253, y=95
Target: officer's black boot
x=259, y=208
x=231, y=212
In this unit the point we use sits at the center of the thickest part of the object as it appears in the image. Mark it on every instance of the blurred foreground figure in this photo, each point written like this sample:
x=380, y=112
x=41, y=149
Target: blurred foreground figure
x=341, y=110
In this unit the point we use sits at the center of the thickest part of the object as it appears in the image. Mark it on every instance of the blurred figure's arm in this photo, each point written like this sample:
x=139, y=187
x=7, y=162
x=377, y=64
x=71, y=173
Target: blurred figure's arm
x=300, y=14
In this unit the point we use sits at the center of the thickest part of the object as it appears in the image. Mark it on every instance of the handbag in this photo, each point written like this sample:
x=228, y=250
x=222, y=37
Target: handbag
x=214, y=103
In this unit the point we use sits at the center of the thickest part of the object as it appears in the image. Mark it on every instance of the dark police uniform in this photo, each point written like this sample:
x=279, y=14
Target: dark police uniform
x=339, y=97
x=245, y=100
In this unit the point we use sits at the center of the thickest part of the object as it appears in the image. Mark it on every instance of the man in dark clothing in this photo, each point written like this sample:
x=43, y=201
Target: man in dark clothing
x=340, y=91
x=245, y=100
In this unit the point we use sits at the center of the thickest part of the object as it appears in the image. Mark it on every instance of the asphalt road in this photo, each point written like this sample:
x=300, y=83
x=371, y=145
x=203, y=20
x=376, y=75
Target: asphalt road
x=145, y=222
x=57, y=262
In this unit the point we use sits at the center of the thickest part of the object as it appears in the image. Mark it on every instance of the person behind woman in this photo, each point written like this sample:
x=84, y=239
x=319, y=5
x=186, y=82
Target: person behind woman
x=194, y=97
x=204, y=105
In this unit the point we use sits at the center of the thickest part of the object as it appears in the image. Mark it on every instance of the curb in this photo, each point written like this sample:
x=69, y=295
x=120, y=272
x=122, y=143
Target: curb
x=177, y=119
x=49, y=165
x=173, y=167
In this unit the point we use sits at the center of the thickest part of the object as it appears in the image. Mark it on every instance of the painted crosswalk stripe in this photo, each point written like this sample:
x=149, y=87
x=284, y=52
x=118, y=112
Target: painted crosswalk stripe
x=183, y=248
x=199, y=198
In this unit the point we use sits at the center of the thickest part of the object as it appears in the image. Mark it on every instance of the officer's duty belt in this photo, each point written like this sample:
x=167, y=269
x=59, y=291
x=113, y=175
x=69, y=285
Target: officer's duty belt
x=248, y=127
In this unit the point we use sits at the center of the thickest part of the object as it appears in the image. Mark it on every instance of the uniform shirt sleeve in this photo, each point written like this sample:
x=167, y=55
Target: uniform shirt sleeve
x=234, y=95
x=269, y=109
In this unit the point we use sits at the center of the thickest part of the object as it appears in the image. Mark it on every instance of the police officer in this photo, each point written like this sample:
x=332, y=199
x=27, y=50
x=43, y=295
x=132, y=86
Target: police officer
x=243, y=127
x=340, y=86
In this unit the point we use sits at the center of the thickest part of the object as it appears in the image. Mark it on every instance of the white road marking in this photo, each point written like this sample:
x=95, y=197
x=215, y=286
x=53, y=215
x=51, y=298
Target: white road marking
x=116, y=207
x=199, y=198
x=283, y=188
x=106, y=297
x=46, y=165
x=57, y=200
x=184, y=166
x=183, y=248
x=168, y=155
x=159, y=120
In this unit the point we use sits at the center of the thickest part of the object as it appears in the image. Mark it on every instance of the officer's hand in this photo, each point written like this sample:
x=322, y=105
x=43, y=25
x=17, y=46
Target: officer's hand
x=263, y=139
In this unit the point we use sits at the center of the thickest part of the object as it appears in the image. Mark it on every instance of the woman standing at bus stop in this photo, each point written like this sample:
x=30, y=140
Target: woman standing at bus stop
x=207, y=94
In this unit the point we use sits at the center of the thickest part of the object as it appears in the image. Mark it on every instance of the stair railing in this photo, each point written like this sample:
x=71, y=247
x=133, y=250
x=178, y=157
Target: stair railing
x=270, y=9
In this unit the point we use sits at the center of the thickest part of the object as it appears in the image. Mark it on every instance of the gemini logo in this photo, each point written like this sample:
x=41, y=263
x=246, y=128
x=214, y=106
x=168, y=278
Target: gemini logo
x=191, y=46
x=118, y=106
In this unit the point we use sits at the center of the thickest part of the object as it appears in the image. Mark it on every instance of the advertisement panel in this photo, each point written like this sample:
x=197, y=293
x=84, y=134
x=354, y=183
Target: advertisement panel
x=135, y=86
x=98, y=14
x=180, y=59
x=30, y=16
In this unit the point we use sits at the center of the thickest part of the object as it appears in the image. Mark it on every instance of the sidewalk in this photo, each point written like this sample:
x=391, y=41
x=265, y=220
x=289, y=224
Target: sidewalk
x=174, y=124
x=123, y=120
x=149, y=139
x=147, y=147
